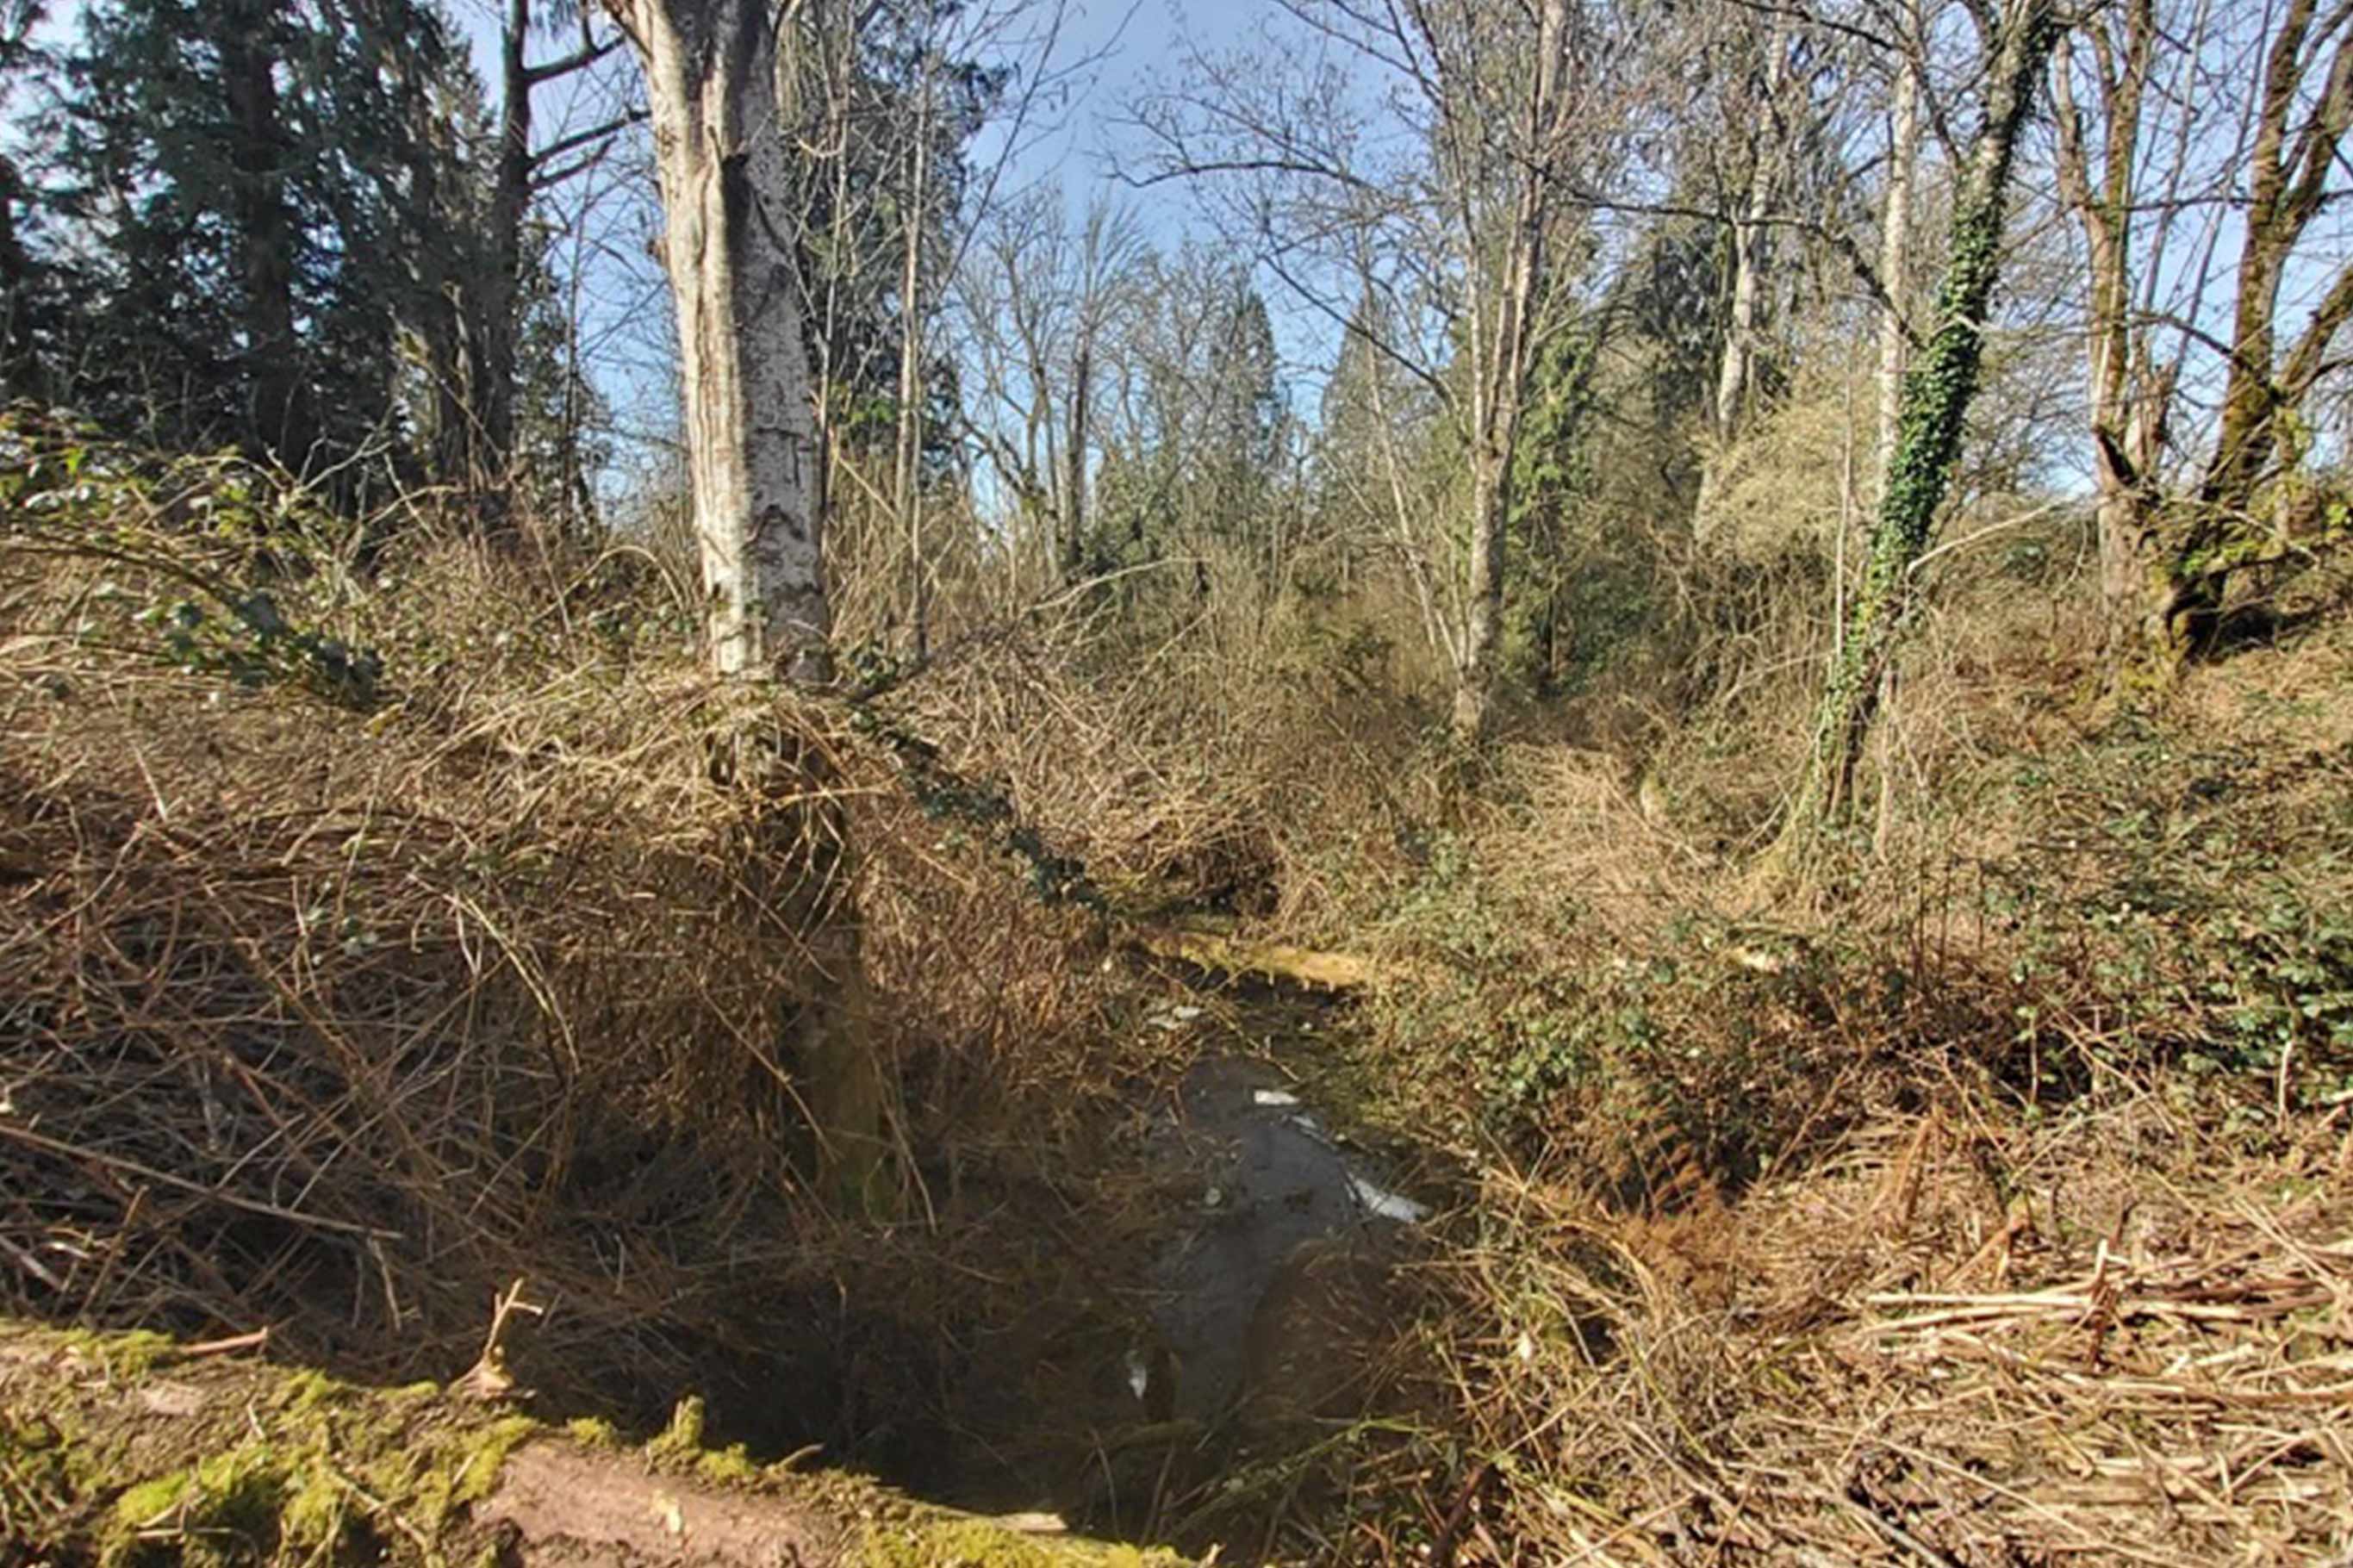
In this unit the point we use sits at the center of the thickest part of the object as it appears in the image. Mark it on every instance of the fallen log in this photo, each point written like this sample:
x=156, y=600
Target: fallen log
x=132, y=1449
x=1273, y=960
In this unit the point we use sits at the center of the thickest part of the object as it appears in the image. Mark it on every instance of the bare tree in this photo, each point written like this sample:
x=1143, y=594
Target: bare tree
x=2143, y=93
x=2102, y=182
x=1504, y=110
x=2297, y=168
x=524, y=172
x=720, y=80
x=1895, y=230
x=723, y=81
x=1036, y=304
x=1754, y=110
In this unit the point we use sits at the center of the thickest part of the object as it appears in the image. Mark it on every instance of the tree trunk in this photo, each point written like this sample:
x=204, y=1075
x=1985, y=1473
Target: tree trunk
x=718, y=78
x=1074, y=457
x=906, y=486
x=1736, y=366
x=1491, y=486
x=2126, y=395
x=281, y=422
x=1502, y=393
x=1896, y=253
x=2300, y=126
x=1935, y=401
x=491, y=444
x=1894, y=351
x=20, y=368
x=723, y=158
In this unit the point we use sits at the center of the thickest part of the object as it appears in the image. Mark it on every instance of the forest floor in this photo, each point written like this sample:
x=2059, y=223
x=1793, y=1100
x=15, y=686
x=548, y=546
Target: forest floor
x=377, y=939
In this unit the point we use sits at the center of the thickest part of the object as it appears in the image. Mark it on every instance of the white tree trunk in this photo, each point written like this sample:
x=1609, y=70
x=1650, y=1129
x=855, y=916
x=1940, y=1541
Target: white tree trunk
x=720, y=89
x=1735, y=372
x=1895, y=251
x=724, y=162
x=1894, y=267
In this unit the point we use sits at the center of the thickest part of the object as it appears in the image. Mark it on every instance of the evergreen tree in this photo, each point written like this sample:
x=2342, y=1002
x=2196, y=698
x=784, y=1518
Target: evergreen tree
x=268, y=192
x=1243, y=437
x=1197, y=453
x=27, y=307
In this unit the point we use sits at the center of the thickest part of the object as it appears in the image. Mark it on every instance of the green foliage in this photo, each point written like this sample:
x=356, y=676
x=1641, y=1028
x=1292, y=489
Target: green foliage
x=1198, y=461
x=854, y=213
x=1931, y=421
x=2187, y=903
x=1570, y=603
x=1533, y=1031
x=223, y=571
x=247, y=186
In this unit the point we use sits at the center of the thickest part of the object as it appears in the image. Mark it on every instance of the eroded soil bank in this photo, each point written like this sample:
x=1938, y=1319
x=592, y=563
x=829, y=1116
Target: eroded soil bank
x=1237, y=1333
x=131, y=1449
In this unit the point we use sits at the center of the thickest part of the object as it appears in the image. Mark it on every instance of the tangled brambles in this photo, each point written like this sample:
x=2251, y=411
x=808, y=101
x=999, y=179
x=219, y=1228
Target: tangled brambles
x=335, y=1005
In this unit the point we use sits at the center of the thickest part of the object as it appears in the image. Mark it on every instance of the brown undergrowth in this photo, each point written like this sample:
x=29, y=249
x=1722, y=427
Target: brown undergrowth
x=376, y=942
x=1955, y=1340
x=382, y=919
x=1990, y=1203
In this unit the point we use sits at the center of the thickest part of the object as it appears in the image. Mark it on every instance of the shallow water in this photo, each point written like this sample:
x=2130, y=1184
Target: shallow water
x=1272, y=1181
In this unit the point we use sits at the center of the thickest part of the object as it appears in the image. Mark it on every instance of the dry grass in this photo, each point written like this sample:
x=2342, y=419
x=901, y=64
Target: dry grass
x=1237, y=762
x=1955, y=1341
x=1992, y=1208
x=1994, y=1205
x=335, y=1007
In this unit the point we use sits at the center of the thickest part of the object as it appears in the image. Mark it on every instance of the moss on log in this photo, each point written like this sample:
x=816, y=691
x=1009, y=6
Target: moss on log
x=1271, y=960
x=131, y=1449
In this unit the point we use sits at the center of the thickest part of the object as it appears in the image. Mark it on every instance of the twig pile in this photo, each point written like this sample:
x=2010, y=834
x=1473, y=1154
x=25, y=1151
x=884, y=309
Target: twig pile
x=2105, y=1343
x=338, y=1020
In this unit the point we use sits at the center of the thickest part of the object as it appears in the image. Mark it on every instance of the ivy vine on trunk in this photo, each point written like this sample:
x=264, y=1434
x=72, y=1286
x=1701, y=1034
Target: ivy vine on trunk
x=1935, y=401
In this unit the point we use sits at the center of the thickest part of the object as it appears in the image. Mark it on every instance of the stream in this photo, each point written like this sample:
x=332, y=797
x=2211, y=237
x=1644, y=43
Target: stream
x=1288, y=1218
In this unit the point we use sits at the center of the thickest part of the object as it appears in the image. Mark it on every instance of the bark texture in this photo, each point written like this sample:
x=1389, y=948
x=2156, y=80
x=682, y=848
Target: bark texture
x=281, y=414
x=2126, y=394
x=2303, y=109
x=722, y=125
x=1936, y=396
x=1504, y=334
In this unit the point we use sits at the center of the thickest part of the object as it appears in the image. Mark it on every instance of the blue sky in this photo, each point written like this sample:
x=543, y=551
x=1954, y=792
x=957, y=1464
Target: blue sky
x=1140, y=36
x=1136, y=38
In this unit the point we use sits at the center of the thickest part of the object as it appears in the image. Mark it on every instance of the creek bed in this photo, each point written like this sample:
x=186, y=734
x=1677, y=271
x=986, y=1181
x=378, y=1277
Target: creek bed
x=1282, y=1208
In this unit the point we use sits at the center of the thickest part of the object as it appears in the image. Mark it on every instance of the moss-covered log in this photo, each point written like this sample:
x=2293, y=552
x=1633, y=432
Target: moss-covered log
x=133, y=1449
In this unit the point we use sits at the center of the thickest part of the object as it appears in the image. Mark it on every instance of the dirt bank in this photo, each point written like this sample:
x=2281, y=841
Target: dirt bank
x=135, y=1449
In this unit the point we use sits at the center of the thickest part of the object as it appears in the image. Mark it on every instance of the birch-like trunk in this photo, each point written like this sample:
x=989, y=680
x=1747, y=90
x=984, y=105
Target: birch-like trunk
x=719, y=88
x=723, y=155
x=1735, y=372
x=1895, y=354
x=1895, y=251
